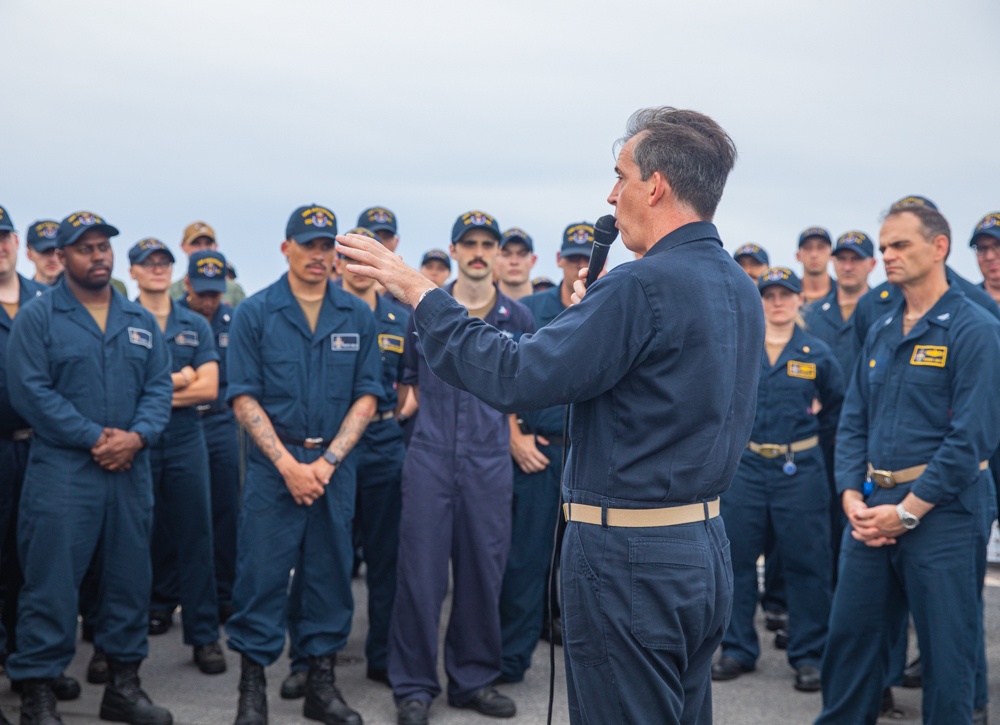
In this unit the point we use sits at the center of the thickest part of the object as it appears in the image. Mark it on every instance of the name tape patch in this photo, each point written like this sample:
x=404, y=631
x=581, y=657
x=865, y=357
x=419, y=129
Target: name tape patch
x=187, y=338
x=345, y=342
x=138, y=336
x=804, y=370
x=223, y=339
x=933, y=356
x=390, y=343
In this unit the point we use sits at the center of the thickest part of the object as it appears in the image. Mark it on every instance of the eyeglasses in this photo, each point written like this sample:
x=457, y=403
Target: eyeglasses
x=983, y=250
x=157, y=264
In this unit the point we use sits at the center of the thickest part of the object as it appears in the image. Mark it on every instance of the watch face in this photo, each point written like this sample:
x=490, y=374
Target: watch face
x=908, y=520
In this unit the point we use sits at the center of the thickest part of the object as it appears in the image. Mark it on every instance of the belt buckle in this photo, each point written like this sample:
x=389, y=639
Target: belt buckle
x=310, y=443
x=884, y=479
x=769, y=450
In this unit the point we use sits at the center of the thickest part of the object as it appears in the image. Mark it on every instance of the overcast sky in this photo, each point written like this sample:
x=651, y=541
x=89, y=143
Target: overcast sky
x=158, y=114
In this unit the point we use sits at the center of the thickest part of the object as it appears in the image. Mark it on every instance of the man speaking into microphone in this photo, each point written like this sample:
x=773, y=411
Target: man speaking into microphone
x=664, y=352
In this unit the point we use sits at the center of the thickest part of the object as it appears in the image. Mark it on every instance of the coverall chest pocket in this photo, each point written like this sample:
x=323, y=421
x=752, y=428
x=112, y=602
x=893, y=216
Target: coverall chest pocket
x=68, y=367
x=340, y=374
x=181, y=355
x=281, y=374
x=135, y=360
x=928, y=391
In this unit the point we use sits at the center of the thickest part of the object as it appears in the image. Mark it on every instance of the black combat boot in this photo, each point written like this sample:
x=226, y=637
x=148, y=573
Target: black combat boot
x=323, y=700
x=125, y=701
x=38, y=703
x=64, y=687
x=253, y=694
x=97, y=668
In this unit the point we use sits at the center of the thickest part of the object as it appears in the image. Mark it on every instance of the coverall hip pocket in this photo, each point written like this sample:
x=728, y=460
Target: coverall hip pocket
x=671, y=591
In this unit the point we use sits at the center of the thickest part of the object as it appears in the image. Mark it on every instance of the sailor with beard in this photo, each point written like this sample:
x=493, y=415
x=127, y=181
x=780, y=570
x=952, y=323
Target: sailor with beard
x=90, y=373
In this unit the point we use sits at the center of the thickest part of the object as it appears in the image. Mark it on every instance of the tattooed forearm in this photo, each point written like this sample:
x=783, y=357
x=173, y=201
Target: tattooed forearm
x=252, y=417
x=353, y=425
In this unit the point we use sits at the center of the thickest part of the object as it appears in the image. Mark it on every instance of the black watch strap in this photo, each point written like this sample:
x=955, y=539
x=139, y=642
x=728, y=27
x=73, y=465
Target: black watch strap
x=332, y=458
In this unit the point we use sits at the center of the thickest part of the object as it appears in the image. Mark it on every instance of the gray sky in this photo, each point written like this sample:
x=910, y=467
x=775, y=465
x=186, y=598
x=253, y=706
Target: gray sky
x=157, y=114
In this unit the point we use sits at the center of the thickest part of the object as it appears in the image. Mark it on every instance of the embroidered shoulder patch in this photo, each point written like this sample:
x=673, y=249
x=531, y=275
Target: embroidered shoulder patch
x=223, y=339
x=804, y=370
x=929, y=355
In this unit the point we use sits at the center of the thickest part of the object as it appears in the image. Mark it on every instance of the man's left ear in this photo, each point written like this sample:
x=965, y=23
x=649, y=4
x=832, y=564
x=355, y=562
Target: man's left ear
x=658, y=189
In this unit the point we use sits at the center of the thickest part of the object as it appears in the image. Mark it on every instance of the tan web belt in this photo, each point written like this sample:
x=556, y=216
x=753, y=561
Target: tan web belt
x=889, y=479
x=773, y=450
x=641, y=518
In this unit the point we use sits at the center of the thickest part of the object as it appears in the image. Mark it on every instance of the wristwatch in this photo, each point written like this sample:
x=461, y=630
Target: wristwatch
x=332, y=458
x=908, y=520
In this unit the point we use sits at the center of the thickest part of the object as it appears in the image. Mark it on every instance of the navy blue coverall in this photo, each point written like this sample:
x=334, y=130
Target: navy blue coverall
x=182, y=549
x=222, y=441
x=15, y=440
x=664, y=354
x=457, y=489
x=379, y=459
x=70, y=381
x=878, y=303
x=825, y=321
x=306, y=382
x=929, y=397
x=795, y=507
x=534, y=517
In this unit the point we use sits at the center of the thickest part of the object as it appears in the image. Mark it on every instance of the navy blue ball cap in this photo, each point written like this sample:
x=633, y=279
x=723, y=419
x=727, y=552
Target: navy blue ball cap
x=539, y=284
x=578, y=240
x=364, y=233
x=436, y=255
x=755, y=252
x=857, y=242
x=77, y=224
x=309, y=222
x=474, y=220
x=6, y=225
x=818, y=232
x=988, y=226
x=42, y=235
x=516, y=234
x=377, y=219
x=142, y=250
x=782, y=277
x=207, y=271
x=910, y=201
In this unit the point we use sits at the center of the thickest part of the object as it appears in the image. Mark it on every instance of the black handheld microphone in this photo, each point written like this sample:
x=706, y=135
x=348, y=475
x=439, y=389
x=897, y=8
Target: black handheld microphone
x=605, y=232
